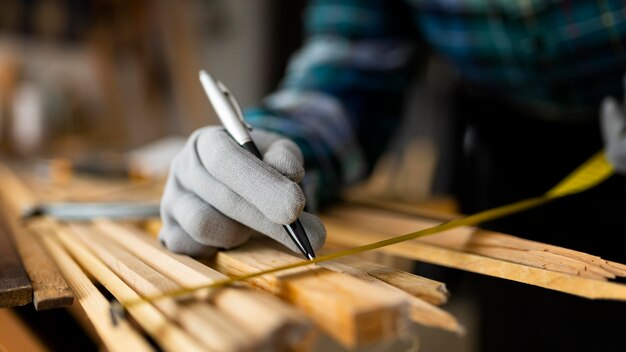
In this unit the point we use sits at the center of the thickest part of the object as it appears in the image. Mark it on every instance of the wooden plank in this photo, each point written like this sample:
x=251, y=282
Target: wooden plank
x=376, y=257
x=540, y=259
x=416, y=218
x=15, y=288
x=50, y=290
x=348, y=234
x=272, y=322
x=443, y=209
x=209, y=326
x=166, y=333
x=266, y=318
x=593, y=263
x=488, y=243
x=16, y=336
x=351, y=310
x=429, y=290
x=421, y=311
x=121, y=337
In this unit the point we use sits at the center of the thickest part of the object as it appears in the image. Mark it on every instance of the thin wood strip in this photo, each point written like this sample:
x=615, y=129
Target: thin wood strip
x=488, y=237
x=15, y=288
x=146, y=248
x=280, y=325
x=618, y=268
x=496, y=238
x=464, y=238
x=594, y=263
x=423, y=211
x=215, y=330
x=429, y=290
x=378, y=205
x=376, y=257
x=349, y=235
x=542, y=260
x=462, y=235
x=421, y=311
x=16, y=336
x=121, y=337
x=169, y=336
x=351, y=310
x=264, y=316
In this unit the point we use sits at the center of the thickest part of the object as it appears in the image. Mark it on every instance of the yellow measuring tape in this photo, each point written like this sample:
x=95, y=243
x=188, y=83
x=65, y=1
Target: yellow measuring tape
x=591, y=173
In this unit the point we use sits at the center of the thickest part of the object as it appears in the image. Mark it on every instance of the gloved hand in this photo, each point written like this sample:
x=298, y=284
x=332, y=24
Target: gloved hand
x=218, y=194
x=613, y=123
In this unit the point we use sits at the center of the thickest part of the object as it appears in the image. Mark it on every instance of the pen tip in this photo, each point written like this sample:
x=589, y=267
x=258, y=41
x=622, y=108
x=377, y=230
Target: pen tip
x=310, y=256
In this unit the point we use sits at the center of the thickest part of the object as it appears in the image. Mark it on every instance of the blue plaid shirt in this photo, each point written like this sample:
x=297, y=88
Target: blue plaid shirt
x=342, y=94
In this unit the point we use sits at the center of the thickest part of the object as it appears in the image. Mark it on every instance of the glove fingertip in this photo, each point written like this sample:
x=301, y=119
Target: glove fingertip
x=214, y=149
x=609, y=107
x=286, y=206
x=286, y=158
x=176, y=240
x=611, y=120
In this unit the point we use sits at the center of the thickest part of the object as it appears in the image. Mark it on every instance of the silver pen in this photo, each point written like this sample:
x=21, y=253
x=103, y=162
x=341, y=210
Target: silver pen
x=231, y=117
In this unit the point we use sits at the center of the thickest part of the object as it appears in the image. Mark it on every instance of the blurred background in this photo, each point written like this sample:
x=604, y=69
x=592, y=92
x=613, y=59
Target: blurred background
x=96, y=81
x=108, y=75
x=112, y=87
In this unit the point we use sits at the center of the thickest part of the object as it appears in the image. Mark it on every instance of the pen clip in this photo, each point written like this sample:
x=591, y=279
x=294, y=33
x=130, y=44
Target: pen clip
x=233, y=103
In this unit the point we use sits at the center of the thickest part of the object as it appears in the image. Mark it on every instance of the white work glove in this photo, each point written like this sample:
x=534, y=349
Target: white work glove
x=218, y=194
x=613, y=123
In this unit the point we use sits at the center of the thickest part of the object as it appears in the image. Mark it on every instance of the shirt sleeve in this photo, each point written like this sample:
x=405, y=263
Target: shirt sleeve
x=341, y=97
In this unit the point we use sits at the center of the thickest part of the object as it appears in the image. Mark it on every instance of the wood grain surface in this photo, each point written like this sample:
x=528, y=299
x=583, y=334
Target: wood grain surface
x=15, y=288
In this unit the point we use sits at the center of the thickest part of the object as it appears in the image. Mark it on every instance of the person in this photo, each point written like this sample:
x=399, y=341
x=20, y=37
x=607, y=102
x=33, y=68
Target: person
x=536, y=76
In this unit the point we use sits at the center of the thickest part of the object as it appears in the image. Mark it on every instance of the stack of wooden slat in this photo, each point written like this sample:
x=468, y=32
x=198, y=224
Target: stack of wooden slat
x=356, y=303
x=485, y=252
x=337, y=306
x=348, y=303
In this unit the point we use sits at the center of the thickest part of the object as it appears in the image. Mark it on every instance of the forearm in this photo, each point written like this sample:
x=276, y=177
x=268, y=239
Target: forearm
x=341, y=97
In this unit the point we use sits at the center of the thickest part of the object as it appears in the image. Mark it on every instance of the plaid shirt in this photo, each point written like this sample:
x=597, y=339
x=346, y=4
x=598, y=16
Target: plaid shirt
x=342, y=94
